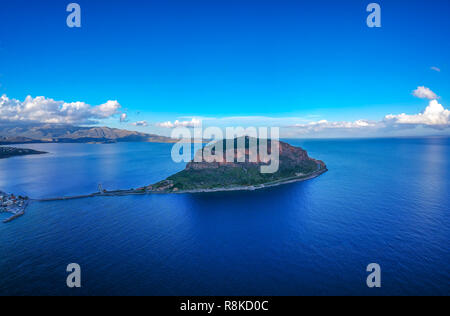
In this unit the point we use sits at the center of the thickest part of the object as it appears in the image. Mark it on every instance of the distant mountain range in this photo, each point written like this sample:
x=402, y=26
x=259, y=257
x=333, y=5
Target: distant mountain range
x=52, y=133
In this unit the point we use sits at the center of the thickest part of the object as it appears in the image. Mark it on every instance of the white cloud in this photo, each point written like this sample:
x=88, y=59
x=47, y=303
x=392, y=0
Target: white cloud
x=107, y=109
x=123, y=117
x=326, y=125
x=436, y=69
x=140, y=123
x=424, y=93
x=46, y=110
x=434, y=116
x=192, y=123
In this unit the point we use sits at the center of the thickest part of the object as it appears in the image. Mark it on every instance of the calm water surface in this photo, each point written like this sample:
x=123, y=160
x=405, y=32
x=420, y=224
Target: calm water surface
x=383, y=200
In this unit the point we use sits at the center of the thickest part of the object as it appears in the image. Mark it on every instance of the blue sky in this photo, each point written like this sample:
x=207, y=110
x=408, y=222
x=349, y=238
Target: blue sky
x=298, y=61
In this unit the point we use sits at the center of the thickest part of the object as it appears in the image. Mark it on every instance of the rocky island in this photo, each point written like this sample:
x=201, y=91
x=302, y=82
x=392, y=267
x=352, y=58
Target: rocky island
x=294, y=165
x=7, y=152
x=201, y=176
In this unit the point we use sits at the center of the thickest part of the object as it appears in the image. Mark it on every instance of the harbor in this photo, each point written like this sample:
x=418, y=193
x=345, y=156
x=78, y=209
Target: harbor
x=13, y=205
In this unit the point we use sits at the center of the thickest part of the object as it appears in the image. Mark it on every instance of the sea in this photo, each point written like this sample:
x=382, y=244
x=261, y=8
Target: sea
x=383, y=201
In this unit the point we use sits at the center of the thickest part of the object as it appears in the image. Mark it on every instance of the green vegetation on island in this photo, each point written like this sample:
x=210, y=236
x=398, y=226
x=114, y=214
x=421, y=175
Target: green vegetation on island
x=294, y=165
x=242, y=173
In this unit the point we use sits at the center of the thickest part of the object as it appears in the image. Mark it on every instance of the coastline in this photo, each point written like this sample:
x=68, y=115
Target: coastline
x=10, y=152
x=256, y=187
x=226, y=189
x=16, y=212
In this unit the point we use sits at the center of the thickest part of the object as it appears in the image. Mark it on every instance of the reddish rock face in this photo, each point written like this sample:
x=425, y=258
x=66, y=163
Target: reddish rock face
x=288, y=156
x=292, y=164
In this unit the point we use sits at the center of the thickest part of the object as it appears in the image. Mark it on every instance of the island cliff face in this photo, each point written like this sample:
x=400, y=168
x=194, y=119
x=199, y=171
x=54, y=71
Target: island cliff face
x=203, y=176
x=289, y=156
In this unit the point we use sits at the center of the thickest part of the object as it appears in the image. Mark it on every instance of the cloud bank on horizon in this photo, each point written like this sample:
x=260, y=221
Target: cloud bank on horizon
x=194, y=122
x=434, y=118
x=46, y=110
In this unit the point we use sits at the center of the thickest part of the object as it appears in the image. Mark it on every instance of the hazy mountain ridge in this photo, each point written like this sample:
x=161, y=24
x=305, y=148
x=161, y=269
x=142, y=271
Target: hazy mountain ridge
x=52, y=133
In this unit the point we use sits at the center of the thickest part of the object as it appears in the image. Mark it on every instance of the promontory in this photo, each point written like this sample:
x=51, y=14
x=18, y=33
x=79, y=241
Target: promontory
x=7, y=152
x=242, y=173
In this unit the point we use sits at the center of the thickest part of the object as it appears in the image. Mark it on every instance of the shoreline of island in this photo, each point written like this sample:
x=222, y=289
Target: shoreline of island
x=11, y=152
x=255, y=187
x=206, y=190
x=20, y=210
x=203, y=177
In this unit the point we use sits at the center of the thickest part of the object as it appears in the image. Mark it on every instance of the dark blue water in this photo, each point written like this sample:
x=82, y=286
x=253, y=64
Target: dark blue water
x=384, y=201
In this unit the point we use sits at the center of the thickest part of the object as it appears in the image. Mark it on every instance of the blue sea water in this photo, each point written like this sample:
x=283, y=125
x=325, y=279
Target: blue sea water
x=383, y=201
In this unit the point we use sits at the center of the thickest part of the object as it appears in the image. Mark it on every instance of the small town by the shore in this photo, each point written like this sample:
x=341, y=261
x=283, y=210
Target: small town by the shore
x=15, y=205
